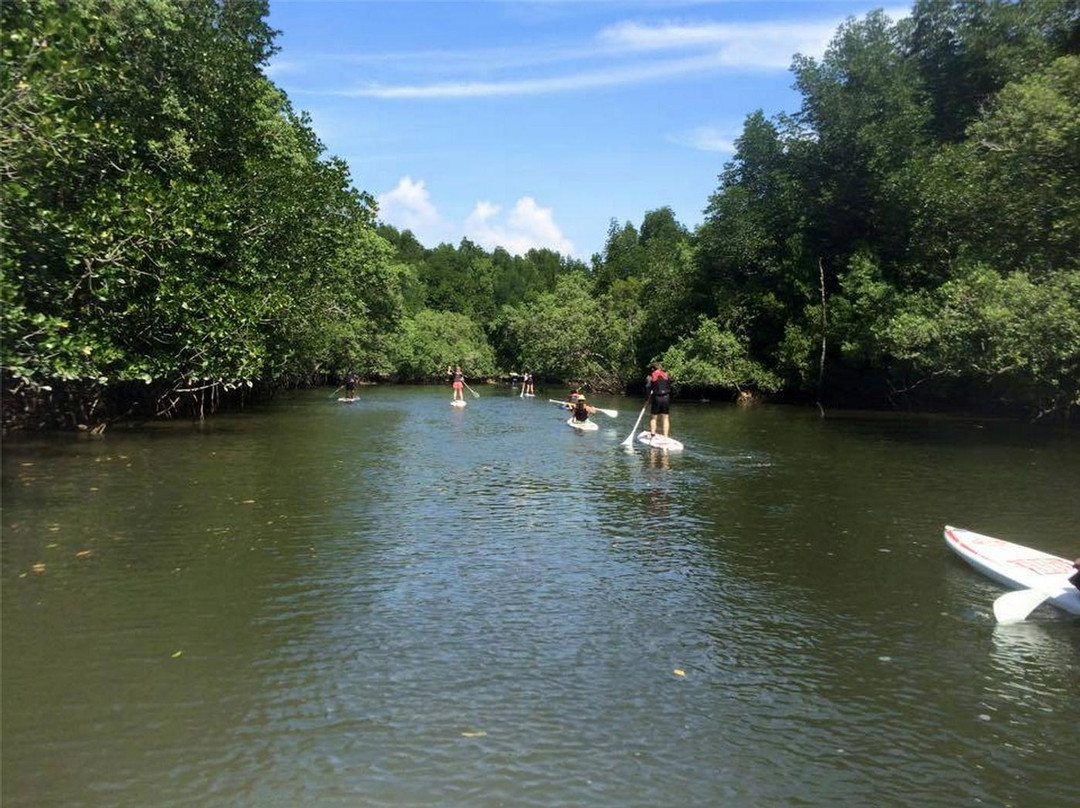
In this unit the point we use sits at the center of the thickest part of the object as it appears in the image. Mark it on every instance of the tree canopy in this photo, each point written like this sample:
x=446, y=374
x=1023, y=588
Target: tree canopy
x=173, y=232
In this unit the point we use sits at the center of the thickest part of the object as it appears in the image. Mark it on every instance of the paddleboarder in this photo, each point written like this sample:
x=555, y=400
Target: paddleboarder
x=458, y=382
x=529, y=383
x=350, y=384
x=658, y=385
x=581, y=411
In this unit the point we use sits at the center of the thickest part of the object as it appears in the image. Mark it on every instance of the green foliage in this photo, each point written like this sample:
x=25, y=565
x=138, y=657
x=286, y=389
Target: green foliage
x=750, y=247
x=563, y=334
x=921, y=148
x=431, y=340
x=712, y=357
x=460, y=279
x=167, y=217
x=1011, y=191
x=966, y=52
x=1018, y=337
x=622, y=257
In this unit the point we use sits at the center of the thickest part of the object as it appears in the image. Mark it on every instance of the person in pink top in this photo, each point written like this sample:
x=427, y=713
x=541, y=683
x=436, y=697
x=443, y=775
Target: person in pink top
x=459, y=382
x=658, y=385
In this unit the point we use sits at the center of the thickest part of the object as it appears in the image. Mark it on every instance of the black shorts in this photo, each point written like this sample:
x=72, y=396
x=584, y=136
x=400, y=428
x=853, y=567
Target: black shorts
x=661, y=405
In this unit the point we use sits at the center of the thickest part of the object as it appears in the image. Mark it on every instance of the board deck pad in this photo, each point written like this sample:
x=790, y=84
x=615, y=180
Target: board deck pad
x=583, y=426
x=659, y=441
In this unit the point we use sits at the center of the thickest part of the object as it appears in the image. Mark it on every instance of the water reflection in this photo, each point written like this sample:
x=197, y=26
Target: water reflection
x=396, y=602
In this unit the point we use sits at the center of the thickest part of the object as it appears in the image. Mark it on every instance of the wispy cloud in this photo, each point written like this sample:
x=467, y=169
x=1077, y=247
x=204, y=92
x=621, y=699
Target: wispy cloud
x=281, y=67
x=623, y=54
x=633, y=74
x=742, y=45
x=708, y=138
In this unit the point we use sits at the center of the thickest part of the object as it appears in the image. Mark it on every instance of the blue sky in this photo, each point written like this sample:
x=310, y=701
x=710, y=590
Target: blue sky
x=534, y=124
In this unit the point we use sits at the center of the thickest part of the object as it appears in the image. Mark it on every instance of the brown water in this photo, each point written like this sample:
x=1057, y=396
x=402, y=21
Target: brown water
x=395, y=603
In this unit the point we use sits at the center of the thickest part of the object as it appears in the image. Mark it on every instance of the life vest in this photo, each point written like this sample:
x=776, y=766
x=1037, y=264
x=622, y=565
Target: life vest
x=659, y=383
x=580, y=411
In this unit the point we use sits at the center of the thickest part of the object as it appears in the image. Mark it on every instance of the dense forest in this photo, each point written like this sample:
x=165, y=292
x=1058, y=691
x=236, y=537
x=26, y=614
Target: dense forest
x=174, y=236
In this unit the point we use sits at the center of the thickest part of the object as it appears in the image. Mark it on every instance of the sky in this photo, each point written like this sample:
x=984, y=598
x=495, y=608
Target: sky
x=536, y=123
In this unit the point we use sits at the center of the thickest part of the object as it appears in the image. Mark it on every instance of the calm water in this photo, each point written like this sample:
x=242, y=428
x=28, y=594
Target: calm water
x=395, y=603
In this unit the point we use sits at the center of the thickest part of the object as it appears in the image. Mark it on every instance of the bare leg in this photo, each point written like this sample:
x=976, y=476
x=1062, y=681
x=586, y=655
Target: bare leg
x=666, y=424
x=652, y=425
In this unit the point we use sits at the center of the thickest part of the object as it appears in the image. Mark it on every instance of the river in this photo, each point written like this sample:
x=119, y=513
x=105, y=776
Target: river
x=397, y=603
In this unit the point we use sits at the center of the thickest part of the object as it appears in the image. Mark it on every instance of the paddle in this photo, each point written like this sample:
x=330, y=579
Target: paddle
x=474, y=393
x=1013, y=607
x=608, y=413
x=336, y=391
x=630, y=438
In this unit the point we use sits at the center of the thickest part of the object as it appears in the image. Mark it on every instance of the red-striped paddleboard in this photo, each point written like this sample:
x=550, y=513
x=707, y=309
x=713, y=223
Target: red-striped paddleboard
x=1017, y=567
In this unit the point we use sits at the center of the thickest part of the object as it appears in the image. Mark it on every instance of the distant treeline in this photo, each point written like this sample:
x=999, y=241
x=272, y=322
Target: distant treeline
x=173, y=234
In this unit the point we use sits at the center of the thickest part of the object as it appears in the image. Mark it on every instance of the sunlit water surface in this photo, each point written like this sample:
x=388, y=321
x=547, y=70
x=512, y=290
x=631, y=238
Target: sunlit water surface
x=396, y=603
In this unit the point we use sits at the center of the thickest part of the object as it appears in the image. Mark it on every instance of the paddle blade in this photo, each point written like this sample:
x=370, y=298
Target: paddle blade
x=1013, y=607
x=608, y=413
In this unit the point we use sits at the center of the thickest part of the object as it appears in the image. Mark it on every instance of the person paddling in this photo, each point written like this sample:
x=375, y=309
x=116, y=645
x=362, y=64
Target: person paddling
x=580, y=411
x=658, y=385
x=350, y=384
x=459, y=382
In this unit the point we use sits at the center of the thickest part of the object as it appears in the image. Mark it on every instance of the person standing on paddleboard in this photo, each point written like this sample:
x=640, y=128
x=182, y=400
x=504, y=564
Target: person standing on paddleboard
x=658, y=385
x=350, y=384
x=459, y=382
x=529, y=383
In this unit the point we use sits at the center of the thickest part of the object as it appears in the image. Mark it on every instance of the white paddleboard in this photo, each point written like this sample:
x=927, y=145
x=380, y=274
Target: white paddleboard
x=349, y=400
x=659, y=441
x=1016, y=566
x=583, y=426
x=457, y=402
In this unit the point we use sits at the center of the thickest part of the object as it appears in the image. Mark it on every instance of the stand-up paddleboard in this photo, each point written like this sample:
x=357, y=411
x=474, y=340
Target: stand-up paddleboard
x=529, y=395
x=1017, y=567
x=349, y=400
x=584, y=426
x=659, y=441
x=457, y=402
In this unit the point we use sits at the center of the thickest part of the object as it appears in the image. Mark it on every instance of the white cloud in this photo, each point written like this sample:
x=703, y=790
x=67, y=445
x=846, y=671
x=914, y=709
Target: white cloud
x=527, y=226
x=708, y=138
x=409, y=207
x=753, y=46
